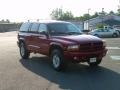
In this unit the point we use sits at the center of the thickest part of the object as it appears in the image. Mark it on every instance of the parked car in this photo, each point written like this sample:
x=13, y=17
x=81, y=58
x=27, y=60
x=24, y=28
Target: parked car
x=104, y=33
x=62, y=42
x=118, y=31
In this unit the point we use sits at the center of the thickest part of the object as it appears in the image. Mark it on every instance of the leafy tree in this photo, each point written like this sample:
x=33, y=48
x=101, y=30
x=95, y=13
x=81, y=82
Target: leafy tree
x=118, y=12
x=99, y=25
x=7, y=21
x=95, y=15
x=59, y=14
x=2, y=20
x=77, y=18
x=111, y=12
x=86, y=16
x=83, y=18
x=67, y=16
x=103, y=13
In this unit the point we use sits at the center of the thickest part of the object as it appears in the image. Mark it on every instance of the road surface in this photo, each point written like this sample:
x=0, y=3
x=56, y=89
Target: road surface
x=37, y=74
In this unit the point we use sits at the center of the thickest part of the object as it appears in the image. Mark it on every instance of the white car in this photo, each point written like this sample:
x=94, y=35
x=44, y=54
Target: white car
x=104, y=33
x=117, y=30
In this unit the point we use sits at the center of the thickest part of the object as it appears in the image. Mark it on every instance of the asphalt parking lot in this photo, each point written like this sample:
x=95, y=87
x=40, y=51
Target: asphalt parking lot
x=37, y=74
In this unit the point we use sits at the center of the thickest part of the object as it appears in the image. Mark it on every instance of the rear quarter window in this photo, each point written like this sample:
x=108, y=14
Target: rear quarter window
x=25, y=27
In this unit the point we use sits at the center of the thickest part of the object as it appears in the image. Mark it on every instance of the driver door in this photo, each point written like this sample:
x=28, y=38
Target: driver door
x=43, y=40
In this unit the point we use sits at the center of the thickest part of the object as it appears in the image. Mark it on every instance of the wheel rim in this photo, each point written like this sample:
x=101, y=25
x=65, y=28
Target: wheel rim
x=22, y=50
x=56, y=61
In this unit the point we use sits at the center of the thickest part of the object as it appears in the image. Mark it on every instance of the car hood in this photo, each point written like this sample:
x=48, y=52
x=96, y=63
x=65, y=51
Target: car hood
x=78, y=39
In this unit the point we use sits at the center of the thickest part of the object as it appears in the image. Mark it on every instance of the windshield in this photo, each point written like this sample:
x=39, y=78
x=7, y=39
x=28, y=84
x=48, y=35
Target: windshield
x=63, y=29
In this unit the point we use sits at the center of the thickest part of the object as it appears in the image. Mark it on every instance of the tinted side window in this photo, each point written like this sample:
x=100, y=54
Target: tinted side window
x=109, y=30
x=25, y=27
x=106, y=30
x=42, y=28
x=98, y=30
x=34, y=27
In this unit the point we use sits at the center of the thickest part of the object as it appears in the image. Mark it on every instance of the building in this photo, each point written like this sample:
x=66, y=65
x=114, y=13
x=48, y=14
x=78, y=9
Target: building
x=107, y=20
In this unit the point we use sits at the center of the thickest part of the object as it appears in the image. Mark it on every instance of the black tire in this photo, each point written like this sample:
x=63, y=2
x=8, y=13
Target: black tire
x=58, y=62
x=23, y=51
x=114, y=35
x=95, y=63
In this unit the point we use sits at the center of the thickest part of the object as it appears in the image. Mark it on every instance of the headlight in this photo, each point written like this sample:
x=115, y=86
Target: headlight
x=73, y=47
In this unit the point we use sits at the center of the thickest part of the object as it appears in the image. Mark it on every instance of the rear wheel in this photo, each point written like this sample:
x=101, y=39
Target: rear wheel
x=23, y=51
x=115, y=35
x=98, y=61
x=57, y=59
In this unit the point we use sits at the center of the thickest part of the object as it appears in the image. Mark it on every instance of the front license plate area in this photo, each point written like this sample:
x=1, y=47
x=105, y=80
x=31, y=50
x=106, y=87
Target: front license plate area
x=92, y=60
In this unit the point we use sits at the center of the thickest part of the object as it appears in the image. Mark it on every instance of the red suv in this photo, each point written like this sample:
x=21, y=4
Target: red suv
x=61, y=41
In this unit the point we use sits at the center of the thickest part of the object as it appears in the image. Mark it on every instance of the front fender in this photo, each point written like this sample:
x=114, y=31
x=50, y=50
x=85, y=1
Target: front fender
x=57, y=44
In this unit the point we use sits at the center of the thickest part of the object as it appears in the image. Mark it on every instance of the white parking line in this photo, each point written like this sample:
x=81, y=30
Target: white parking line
x=113, y=48
x=115, y=57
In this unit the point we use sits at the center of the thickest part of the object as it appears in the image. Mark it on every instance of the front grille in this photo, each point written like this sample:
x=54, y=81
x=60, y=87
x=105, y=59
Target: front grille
x=89, y=47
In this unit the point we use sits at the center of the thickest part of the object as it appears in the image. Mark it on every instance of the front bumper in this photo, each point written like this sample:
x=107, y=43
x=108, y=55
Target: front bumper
x=84, y=56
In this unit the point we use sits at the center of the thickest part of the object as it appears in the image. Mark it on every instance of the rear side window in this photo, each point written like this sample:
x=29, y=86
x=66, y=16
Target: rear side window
x=25, y=27
x=34, y=27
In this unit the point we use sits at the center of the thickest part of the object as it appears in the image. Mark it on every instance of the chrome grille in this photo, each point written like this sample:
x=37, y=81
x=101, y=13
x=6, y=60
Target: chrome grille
x=88, y=47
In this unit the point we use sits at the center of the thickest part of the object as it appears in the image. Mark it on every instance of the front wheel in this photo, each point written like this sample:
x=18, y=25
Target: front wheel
x=23, y=51
x=57, y=59
x=98, y=61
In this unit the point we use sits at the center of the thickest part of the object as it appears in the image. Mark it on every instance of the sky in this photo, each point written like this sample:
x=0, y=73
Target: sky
x=23, y=10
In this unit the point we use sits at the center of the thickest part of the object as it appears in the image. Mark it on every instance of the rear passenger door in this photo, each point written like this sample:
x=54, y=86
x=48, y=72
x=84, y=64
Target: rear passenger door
x=23, y=34
x=110, y=32
x=107, y=33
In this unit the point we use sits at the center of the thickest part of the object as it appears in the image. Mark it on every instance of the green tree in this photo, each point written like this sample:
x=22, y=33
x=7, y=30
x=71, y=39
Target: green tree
x=103, y=13
x=56, y=13
x=59, y=14
x=99, y=25
x=111, y=12
x=7, y=21
x=67, y=16
x=95, y=15
x=85, y=17
x=118, y=12
x=2, y=21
